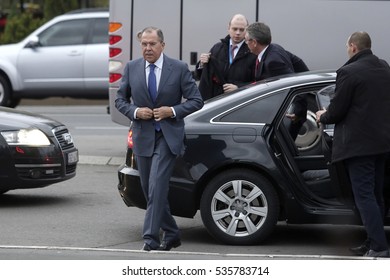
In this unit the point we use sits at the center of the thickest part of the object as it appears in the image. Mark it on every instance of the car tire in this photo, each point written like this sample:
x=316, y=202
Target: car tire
x=5, y=91
x=13, y=102
x=239, y=207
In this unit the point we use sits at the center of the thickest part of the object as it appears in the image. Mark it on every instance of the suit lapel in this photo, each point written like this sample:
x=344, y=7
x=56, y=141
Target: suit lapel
x=166, y=71
x=141, y=77
x=142, y=74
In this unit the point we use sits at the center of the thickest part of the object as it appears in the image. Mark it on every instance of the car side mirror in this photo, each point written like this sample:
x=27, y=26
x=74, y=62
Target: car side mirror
x=33, y=42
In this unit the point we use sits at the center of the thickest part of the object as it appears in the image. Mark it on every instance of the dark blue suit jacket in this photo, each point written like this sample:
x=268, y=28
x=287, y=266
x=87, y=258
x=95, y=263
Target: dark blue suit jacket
x=277, y=61
x=176, y=84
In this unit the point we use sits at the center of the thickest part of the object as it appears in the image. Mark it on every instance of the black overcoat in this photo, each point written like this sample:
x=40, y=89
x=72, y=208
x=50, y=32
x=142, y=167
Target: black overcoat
x=360, y=108
x=219, y=70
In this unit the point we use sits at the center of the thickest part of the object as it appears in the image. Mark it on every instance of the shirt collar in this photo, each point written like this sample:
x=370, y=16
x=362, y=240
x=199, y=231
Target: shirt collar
x=238, y=45
x=260, y=56
x=158, y=63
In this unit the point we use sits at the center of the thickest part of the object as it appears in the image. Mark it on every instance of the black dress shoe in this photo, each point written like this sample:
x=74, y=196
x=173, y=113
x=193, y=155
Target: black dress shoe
x=360, y=250
x=378, y=254
x=168, y=245
x=147, y=247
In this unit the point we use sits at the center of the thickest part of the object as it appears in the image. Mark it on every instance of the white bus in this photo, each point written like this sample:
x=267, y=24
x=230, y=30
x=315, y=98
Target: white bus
x=315, y=30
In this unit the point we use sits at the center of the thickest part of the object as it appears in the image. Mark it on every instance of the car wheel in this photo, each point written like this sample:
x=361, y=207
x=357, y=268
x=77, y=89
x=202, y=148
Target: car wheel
x=5, y=91
x=13, y=102
x=239, y=207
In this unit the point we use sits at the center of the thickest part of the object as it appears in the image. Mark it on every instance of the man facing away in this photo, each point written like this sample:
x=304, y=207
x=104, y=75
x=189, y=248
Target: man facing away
x=273, y=60
x=360, y=112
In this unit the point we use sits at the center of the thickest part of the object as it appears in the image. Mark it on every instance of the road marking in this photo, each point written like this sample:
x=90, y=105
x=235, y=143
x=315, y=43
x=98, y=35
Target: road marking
x=100, y=127
x=217, y=255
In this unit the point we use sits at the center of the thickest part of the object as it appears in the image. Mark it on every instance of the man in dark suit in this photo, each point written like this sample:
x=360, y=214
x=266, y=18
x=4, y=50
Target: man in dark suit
x=150, y=95
x=272, y=59
x=360, y=112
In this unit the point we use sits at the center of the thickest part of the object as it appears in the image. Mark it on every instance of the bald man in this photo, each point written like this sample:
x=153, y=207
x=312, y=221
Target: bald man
x=229, y=64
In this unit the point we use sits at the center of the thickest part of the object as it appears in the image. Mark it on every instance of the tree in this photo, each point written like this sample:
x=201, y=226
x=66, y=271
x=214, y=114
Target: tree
x=54, y=8
x=19, y=24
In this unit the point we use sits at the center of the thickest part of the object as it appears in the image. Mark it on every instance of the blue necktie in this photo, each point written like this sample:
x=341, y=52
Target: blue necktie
x=152, y=88
x=152, y=84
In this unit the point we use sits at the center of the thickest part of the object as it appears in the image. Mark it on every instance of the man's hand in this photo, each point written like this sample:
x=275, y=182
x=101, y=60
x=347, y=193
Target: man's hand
x=162, y=113
x=229, y=87
x=318, y=114
x=204, y=58
x=292, y=117
x=144, y=113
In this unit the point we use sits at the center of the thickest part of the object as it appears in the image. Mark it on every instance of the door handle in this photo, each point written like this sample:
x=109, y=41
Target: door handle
x=74, y=53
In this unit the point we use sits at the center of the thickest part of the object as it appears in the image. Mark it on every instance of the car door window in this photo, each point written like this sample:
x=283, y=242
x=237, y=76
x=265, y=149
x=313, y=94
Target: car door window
x=324, y=96
x=100, y=31
x=261, y=110
x=71, y=32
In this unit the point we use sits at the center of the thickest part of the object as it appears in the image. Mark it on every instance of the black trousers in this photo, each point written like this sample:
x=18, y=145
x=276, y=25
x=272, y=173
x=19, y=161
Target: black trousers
x=367, y=179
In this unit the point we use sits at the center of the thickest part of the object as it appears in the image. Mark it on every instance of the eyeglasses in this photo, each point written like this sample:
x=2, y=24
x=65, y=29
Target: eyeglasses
x=248, y=40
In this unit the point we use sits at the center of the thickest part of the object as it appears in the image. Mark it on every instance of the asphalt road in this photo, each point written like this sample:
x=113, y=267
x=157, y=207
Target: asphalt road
x=85, y=218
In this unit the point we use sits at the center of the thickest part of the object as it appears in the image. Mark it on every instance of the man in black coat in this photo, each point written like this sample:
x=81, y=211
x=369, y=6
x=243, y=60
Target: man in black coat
x=229, y=64
x=360, y=112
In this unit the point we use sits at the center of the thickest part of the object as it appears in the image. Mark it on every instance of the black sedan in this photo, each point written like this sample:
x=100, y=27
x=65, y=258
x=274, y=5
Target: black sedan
x=255, y=157
x=35, y=151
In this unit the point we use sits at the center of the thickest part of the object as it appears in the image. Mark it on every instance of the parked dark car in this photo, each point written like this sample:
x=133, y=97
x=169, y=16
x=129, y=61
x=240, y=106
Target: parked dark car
x=243, y=169
x=35, y=151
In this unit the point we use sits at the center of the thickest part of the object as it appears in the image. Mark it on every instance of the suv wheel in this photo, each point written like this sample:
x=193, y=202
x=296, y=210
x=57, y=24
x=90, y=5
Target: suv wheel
x=239, y=207
x=5, y=91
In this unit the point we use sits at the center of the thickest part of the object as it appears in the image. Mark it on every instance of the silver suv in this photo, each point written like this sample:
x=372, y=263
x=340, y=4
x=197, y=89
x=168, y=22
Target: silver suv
x=67, y=56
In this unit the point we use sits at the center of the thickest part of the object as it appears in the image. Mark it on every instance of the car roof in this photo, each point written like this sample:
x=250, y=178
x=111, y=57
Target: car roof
x=266, y=86
x=85, y=13
x=89, y=10
x=296, y=79
x=76, y=14
x=290, y=80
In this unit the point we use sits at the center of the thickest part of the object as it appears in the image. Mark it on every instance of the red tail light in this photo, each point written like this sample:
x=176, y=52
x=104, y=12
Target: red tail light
x=114, y=77
x=130, y=139
x=115, y=39
x=19, y=150
x=115, y=51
